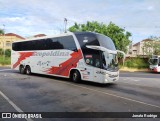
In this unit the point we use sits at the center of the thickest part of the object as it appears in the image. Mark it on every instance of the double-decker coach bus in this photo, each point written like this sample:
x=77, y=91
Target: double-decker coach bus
x=79, y=56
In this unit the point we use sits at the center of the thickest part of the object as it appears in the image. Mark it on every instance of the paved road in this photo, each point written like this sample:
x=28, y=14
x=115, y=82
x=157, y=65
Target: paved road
x=134, y=92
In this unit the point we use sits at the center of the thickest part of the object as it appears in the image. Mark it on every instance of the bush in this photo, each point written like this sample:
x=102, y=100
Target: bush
x=136, y=63
x=6, y=62
x=1, y=51
x=8, y=53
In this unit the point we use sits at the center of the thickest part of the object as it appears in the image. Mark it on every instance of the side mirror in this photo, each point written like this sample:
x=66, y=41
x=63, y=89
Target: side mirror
x=124, y=55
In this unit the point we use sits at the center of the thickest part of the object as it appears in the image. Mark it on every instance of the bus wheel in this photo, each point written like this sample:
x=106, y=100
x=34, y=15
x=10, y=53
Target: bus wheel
x=76, y=77
x=28, y=70
x=21, y=69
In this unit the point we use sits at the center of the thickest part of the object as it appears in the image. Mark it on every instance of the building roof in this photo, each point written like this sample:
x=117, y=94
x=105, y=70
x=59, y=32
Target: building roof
x=145, y=40
x=13, y=34
x=40, y=35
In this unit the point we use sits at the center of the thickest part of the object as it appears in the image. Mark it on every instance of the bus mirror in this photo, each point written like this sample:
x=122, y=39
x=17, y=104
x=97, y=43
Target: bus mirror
x=124, y=55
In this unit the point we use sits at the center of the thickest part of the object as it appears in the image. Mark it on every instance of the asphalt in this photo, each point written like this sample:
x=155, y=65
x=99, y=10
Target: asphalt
x=134, y=92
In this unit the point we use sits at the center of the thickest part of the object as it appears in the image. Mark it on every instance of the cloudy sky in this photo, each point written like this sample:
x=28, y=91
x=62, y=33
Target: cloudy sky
x=30, y=17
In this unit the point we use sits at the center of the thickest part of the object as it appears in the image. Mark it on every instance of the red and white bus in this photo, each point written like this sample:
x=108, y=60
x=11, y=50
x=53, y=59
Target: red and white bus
x=154, y=63
x=79, y=56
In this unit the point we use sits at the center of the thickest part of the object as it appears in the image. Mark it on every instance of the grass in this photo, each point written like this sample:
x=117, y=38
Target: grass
x=138, y=63
x=7, y=60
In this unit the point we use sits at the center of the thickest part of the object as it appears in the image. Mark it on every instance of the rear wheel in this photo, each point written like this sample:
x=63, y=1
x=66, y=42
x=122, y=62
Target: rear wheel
x=21, y=69
x=76, y=77
x=28, y=70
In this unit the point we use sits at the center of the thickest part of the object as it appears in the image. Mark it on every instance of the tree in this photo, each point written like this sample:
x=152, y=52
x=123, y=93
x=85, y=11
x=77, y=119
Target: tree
x=1, y=31
x=119, y=36
x=1, y=51
x=152, y=46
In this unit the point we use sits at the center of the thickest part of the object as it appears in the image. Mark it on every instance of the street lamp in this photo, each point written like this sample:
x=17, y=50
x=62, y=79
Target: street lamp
x=65, y=25
x=4, y=43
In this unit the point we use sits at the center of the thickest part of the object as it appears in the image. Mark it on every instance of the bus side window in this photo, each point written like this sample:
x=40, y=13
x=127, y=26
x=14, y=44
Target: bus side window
x=97, y=63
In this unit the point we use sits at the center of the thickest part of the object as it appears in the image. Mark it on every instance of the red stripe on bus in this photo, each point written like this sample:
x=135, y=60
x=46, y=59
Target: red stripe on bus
x=65, y=67
x=23, y=56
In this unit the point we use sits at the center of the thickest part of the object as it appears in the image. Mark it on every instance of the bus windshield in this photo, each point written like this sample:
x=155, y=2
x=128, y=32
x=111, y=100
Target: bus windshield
x=153, y=61
x=106, y=42
x=110, y=61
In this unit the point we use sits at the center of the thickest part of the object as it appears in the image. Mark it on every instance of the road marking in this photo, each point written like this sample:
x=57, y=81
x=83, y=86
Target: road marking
x=5, y=70
x=13, y=105
x=133, y=83
x=136, y=80
x=126, y=79
x=113, y=95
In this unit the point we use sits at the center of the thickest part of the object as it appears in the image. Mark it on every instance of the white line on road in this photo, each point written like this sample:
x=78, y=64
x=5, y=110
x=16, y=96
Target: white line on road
x=125, y=98
x=5, y=70
x=13, y=105
x=126, y=79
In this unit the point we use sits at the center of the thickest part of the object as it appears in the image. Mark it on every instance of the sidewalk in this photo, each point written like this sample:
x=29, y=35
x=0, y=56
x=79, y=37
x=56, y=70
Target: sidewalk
x=5, y=65
x=133, y=69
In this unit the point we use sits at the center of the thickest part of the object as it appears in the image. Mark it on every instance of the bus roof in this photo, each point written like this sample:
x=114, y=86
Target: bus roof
x=45, y=37
x=59, y=35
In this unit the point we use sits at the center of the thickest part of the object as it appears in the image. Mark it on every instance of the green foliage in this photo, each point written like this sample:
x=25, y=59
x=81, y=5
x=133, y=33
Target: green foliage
x=1, y=51
x=1, y=31
x=151, y=47
x=7, y=60
x=136, y=63
x=119, y=36
x=8, y=53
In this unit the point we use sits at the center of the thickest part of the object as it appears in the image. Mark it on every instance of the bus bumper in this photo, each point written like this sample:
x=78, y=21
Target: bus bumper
x=111, y=78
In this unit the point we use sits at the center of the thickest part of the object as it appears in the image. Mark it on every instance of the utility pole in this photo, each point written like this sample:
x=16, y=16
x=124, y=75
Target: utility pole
x=4, y=43
x=65, y=25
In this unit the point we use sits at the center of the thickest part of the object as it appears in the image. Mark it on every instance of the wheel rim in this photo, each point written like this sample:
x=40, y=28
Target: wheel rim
x=28, y=71
x=74, y=76
x=22, y=69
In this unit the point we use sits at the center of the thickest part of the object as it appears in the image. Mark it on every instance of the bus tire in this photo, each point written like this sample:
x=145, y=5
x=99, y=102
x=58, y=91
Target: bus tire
x=76, y=77
x=22, y=69
x=28, y=70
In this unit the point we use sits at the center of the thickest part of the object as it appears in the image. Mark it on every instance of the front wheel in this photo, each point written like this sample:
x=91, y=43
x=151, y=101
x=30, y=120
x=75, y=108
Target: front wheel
x=76, y=77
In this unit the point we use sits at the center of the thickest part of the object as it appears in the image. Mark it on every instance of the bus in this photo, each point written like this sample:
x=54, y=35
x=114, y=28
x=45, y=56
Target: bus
x=154, y=63
x=78, y=56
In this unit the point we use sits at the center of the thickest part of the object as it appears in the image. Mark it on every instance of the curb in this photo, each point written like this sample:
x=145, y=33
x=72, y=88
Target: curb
x=5, y=65
x=134, y=70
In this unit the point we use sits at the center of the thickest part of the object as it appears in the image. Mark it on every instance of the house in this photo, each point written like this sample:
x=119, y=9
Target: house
x=40, y=35
x=140, y=49
x=7, y=39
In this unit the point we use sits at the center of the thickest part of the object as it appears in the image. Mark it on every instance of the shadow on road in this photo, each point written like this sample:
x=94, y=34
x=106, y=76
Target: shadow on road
x=109, y=85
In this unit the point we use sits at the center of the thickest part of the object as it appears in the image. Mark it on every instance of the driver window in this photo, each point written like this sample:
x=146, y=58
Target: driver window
x=93, y=58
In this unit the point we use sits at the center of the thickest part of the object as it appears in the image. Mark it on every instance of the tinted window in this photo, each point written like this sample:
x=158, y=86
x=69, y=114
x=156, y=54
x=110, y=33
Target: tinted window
x=106, y=42
x=92, y=57
x=87, y=39
x=66, y=42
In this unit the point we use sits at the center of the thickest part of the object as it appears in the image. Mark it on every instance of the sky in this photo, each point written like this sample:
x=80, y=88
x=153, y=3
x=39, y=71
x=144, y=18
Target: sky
x=29, y=17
